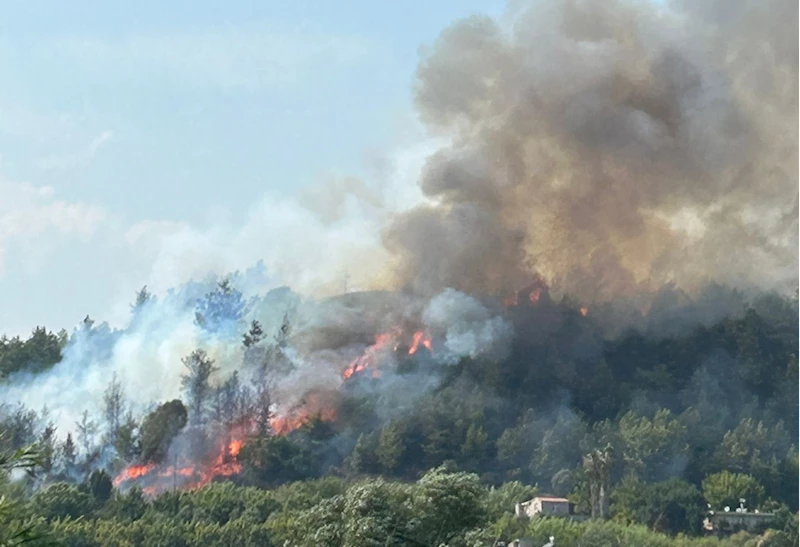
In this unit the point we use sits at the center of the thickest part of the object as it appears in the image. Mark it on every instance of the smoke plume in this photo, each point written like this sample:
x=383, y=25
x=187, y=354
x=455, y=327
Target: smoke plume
x=611, y=146
x=469, y=328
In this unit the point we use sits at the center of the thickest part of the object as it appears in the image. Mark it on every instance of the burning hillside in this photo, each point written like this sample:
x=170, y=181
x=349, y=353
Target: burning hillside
x=386, y=344
x=183, y=475
x=185, y=470
x=604, y=162
x=442, y=330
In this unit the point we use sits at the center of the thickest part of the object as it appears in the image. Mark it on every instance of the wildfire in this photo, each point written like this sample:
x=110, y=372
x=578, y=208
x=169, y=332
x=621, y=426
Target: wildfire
x=133, y=472
x=223, y=464
x=197, y=476
x=533, y=293
x=224, y=460
x=320, y=404
x=420, y=338
x=369, y=359
x=282, y=425
x=584, y=311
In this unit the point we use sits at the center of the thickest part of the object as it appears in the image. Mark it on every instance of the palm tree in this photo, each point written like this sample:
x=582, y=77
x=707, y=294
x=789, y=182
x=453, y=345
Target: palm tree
x=13, y=530
x=598, y=469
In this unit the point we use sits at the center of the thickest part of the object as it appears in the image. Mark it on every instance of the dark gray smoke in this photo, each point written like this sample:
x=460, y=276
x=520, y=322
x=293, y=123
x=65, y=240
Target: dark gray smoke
x=611, y=146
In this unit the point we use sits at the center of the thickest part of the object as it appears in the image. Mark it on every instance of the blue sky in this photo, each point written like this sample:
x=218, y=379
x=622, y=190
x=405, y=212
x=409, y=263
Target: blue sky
x=122, y=123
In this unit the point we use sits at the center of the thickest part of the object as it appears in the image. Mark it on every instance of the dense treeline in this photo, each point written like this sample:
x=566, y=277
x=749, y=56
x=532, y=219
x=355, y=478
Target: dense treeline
x=685, y=411
x=40, y=351
x=442, y=508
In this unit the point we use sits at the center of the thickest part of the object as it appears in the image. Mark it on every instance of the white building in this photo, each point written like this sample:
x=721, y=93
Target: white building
x=545, y=506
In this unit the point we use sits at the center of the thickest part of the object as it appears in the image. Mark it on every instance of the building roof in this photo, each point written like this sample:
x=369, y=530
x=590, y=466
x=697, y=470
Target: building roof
x=740, y=514
x=551, y=498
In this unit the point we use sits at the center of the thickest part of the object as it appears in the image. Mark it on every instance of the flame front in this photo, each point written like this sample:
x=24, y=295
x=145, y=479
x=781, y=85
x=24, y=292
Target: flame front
x=420, y=338
x=157, y=479
x=534, y=294
x=282, y=425
x=234, y=447
x=225, y=459
x=369, y=359
x=133, y=472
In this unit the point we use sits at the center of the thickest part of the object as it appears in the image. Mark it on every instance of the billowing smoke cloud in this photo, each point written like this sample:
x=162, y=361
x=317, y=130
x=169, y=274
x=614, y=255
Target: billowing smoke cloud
x=469, y=328
x=611, y=146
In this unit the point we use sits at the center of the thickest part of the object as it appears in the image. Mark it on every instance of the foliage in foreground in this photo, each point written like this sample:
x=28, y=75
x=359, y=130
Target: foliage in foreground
x=443, y=508
x=18, y=525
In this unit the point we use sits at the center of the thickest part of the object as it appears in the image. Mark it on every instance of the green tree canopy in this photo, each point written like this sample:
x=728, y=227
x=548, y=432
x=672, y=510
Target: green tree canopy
x=726, y=489
x=159, y=428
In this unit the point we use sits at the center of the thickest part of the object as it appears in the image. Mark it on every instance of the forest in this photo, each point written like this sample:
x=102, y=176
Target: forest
x=686, y=407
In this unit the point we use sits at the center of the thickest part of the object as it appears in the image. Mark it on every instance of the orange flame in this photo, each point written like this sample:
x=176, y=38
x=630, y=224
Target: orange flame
x=224, y=464
x=369, y=359
x=225, y=461
x=533, y=292
x=420, y=338
x=584, y=311
x=282, y=425
x=133, y=472
x=234, y=447
x=314, y=404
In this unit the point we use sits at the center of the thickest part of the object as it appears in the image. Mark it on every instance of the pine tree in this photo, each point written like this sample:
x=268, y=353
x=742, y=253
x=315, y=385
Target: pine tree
x=221, y=308
x=197, y=386
x=114, y=408
x=253, y=336
x=87, y=429
x=362, y=459
x=475, y=447
x=127, y=442
x=143, y=297
x=88, y=323
x=47, y=442
x=391, y=447
x=268, y=363
x=68, y=454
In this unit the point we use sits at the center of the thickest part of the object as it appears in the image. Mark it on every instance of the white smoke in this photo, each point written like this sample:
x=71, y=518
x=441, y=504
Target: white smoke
x=469, y=328
x=305, y=242
x=146, y=357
